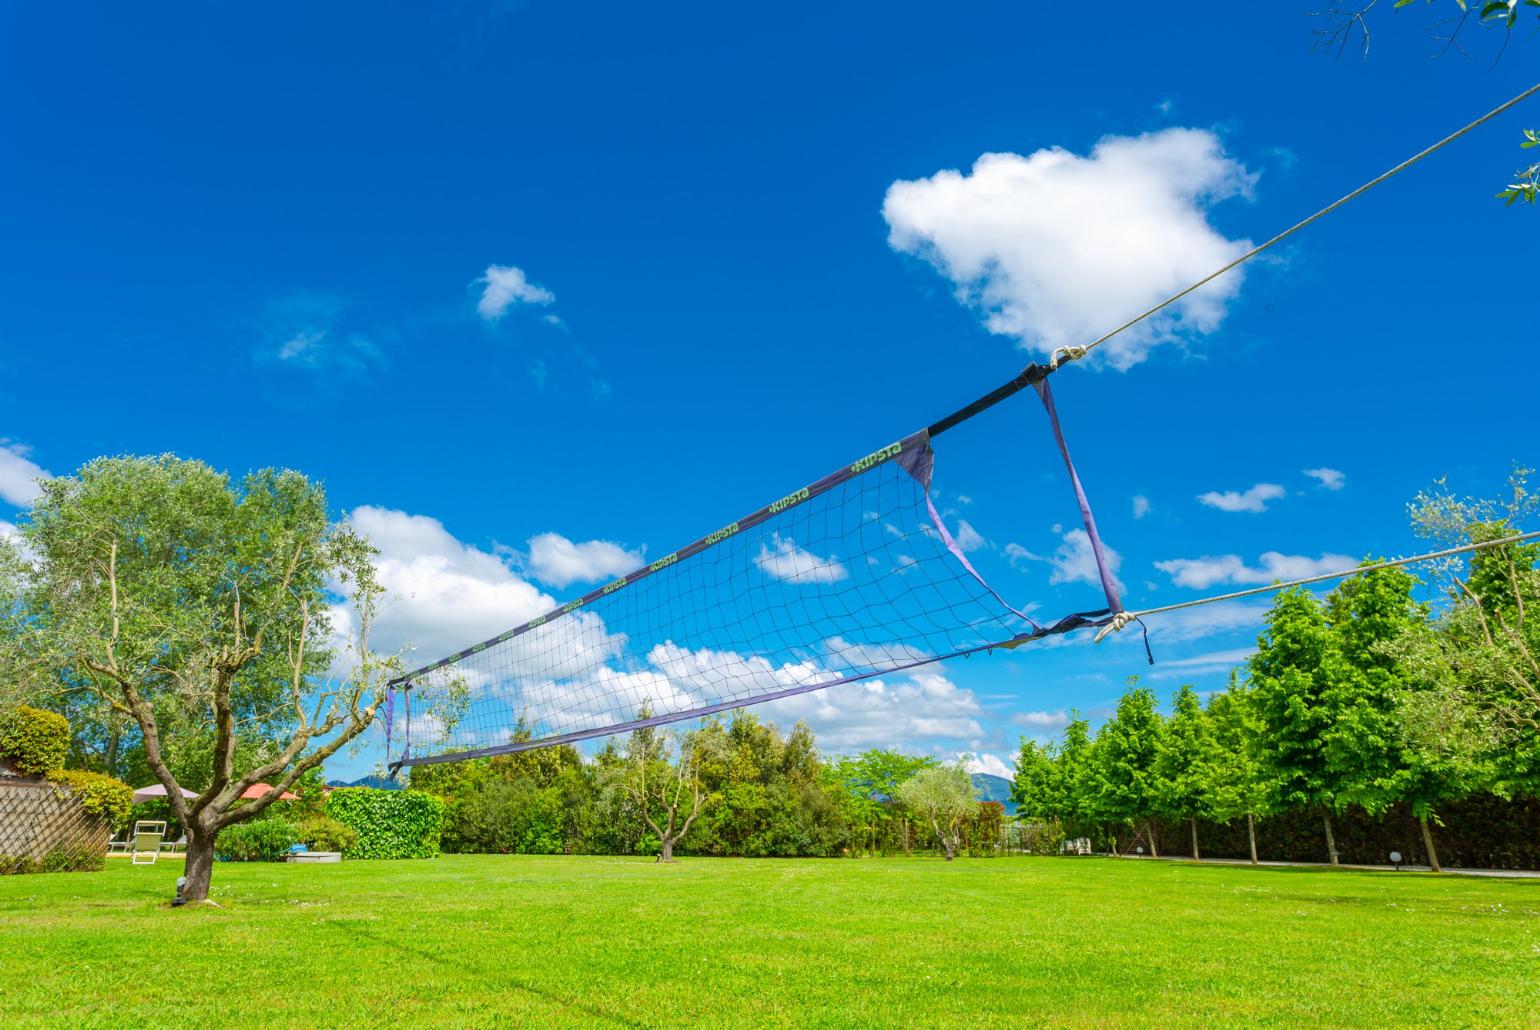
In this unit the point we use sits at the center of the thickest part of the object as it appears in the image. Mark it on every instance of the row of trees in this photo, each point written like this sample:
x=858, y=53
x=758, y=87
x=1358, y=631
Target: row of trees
x=734, y=787
x=1364, y=700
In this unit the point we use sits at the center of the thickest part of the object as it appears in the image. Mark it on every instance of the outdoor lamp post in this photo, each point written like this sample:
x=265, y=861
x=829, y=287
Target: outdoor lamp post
x=1395, y=859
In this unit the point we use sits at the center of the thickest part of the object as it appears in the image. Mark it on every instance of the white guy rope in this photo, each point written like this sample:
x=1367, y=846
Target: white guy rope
x=1122, y=619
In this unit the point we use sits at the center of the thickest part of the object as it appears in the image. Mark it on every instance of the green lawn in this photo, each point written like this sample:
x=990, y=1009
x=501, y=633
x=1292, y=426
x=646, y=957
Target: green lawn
x=481, y=940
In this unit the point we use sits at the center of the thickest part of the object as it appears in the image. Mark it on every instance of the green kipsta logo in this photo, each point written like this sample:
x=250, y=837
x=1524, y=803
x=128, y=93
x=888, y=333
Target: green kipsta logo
x=878, y=457
x=536, y=622
x=789, y=500
x=663, y=563
x=572, y=605
x=722, y=534
x=614, y=586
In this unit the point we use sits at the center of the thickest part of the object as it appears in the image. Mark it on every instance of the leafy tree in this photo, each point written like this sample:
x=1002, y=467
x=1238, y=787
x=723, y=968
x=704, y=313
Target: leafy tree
x=1237, y=784
x=943, y=796
x=199, y=610
x=1123, y=760
x=1035, y=787
x=1289, y=679
x=1186, y=754
x=1075, y=776
x=1364, y=746
x=667, y=794
x=868, y=785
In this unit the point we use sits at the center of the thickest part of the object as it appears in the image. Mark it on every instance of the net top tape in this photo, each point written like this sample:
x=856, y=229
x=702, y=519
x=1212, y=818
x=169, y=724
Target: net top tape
x=912, y=453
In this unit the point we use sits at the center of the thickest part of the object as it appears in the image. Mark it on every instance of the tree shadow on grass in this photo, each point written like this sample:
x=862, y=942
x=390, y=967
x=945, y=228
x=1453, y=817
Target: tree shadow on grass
x=501, y=975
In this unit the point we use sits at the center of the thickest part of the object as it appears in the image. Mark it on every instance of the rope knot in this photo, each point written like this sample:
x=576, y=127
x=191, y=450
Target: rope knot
x=1117, y=623
x=1064, y=355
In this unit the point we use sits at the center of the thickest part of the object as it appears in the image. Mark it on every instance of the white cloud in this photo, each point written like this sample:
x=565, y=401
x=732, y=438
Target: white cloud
x=1200, y=573
x=1252, y=500
x=19, y=475
x=442, y=594
x=1016, y=554
x=783, y=559
x=555, y=560
x=905, y=713
x=1042, y=720
x=503, y=287
x=968, y=538
x=1331, y=479
x=981, y=762
x=1055, y=248
x=1075, y=562
x=1141, y=506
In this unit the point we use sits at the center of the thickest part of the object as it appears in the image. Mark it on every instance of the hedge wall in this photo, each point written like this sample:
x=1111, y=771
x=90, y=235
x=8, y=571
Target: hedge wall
x=36, y=742
x=1480, y=832
x=389, y=823
x=100, y=795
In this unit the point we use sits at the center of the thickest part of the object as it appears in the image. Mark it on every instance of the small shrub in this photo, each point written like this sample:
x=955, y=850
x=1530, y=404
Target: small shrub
x=35, y=741
x=1038, y=838
x=323, y=833
x=261, y=840
x=389, y=823
x=109, y=799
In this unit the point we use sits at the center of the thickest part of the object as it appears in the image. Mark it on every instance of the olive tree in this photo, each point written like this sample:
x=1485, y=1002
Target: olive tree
x=942, y=795
x=196, y=607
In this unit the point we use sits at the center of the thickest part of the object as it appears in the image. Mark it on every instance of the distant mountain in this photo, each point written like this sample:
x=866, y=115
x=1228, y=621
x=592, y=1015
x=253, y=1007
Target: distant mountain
x=377, y=782
x=994, y=788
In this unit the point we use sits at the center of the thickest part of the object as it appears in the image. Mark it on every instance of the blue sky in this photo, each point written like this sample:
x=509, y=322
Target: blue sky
x=605, y=276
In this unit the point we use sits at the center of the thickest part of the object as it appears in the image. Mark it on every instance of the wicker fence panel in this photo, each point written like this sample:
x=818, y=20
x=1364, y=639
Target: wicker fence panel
x=44, y=828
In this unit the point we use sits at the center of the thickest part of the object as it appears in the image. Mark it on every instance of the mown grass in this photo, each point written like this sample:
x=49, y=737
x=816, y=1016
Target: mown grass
x=556, y=941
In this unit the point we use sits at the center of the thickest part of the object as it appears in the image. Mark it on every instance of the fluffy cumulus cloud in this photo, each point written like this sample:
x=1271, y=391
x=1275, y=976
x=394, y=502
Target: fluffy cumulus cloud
x=905, y=712
x=1330, y=479
x=1141, y=506
x=1201, y=573
x=1075, y=562
x=559, y=562
x=1253, y=500
x=982, y=762
x=782, y=558
x=504, y=286
x=1055, y=248
x=441, y=594
x=19, y=475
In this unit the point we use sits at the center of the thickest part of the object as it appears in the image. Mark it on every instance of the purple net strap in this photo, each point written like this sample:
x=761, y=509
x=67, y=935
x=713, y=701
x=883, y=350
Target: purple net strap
x=1113, y=602
x=919, y=462
x=957, y=552
x=390, y=717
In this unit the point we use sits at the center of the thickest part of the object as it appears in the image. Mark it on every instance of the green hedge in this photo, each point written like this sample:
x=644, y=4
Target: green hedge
x=389, y=823
x=35, y=741
x=101, y=795
x=323, y=833
x=261, y=840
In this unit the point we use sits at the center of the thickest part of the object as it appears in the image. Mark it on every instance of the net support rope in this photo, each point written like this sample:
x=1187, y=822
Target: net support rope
x=1120, y=620
x=1108, y=620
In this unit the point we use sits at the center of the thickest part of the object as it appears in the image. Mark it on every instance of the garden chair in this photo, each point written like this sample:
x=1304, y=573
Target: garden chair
x=146, y=847
x=176, y=846
x=120, y=842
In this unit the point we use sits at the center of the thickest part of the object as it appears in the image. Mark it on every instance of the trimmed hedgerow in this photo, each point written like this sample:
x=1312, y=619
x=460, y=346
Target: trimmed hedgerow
x=260, y=840
x=100, y=795
x=35, y=741
x=390, y=823
x=323, y=833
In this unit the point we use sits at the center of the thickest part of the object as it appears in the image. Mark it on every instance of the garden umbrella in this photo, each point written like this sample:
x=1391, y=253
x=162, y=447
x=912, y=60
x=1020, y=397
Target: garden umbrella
x=262, y=790
x=156, y=790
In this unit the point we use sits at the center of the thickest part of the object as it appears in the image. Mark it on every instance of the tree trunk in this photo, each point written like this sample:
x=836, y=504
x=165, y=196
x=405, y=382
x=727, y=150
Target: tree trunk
x=666, y=852
x=1154, y=844
x=1427, y=841
x=1331, y=840
x=1193, y=823
x=200, y=865
x=1251, y=834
